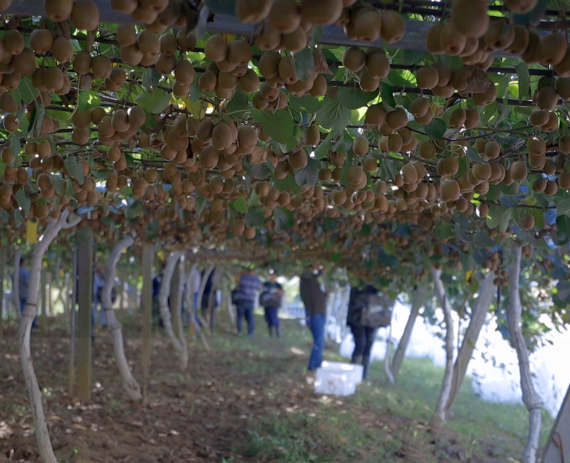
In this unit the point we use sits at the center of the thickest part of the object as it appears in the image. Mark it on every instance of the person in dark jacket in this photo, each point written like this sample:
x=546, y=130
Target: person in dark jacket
x=364, y=322
x=314, y=297
x=273, y=294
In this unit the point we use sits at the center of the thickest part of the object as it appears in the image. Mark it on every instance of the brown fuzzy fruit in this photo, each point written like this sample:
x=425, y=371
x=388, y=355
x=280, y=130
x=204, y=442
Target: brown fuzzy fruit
x=470, y=18
x=427, y=77
x=527, y=221
x=354, y=58
x=252, y=11
x=285, y=16
x=519, y=171
x=322, y=12
x=393, y=26
x=216, y=48
x=452, y=42
x=85, y=15
x=547, y=98
x=449, y=190
x=521, y=6
x=552, y=48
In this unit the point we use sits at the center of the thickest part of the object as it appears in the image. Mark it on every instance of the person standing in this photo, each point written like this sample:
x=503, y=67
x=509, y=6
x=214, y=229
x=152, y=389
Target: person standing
x=314, y=297
x=271, y=299
x=367, y=312
x=23, y=285
x=195, y=281
x=98, y=285
x=156, y=285
x=247, y=288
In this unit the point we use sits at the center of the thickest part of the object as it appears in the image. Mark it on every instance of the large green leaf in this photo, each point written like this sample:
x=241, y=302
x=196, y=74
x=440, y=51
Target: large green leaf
x=284, y=219
x=240, y=205
x=278, y=125
x=23, y=201
x=333, y=115
x=287, y=184
x=324, y=147
x=308, y=103
x=499, y=217
x=436, y=129
x=239, y=102
x=309, y=174
x=387, y=94
x=304, y=64
x=254, y=218
x=354, y=98
x=74, y=168
x=524, y=80
x=257, y=171
x=154, y=102
x=26, y=91
x=563, y=208
x=88, y=99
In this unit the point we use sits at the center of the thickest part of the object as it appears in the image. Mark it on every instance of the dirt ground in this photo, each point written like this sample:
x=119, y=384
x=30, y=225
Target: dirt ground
x=201, y=415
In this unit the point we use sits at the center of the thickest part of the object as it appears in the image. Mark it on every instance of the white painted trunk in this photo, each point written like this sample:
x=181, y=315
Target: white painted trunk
x=129, y=382
x=181, y=336
x=480, y=310
x=203, y=282
x=24, y=335
x=438, y=419
x=163, y=300
x=418, y=303
x=529, y=395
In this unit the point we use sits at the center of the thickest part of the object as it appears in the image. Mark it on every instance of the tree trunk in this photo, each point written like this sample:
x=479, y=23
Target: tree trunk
x=479, y=314
x=72, y=303
x=84, y=315
x=16, y=283
x=164, y=310
x=203, y=282
x=43, y=313
x=557, y=447
x=177, y=309
x=50, y=308
x=30, y=310
x=438, y=419
x=175, y=302
x=2, y=271
x=147, y=258
x=529, y=395
x=129, y=382
x=418, y=303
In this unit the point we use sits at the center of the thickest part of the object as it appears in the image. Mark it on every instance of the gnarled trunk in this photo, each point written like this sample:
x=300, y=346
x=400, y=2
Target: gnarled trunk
x=438, y=419
x=129, y=382
x=405, y=339
x=164, y=310
x=30, y=311
x=203, y=283
x=16, y=283
x=529, y=395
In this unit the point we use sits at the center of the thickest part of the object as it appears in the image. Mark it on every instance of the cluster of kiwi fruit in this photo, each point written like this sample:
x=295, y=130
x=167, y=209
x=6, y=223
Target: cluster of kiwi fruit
x=372, y=66
x=156, y=15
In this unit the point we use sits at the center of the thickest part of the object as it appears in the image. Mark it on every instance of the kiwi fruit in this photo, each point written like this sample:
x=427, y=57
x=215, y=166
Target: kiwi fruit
x=216, y=48
x=520, y=42
x=547, y=98
x=24, y=64
x=101, y=66
x=552, y=123
x=499, y=36
x=41, y=41
x=449, y=190
x=59, y=10
x=521, y=6
x=354, y=175
x=252, y=11
x=186, y=40
x=85, y=15
x=427, y=77
x=538, y=117
x=519, y=171
x=368, y=26
x=457, y=118
x=552, y=49
x=62, y=50
x=124, y=6
x=487, y=97
x=393, y=26
x=433, y=44
x=367, y=82
x=285, y=16
x=298, y=160
x=564, y=144
x=472, y=118
x=354, y=58
x=452, y=42
x=470, y=18
x=322, y=12
x=419, y=107
x=527, y=222
x=14, y=42
x=397, y=119
x=269, y=39
x=564, y=180
x=295, y=41
x=312, y=135
x=360, y=145
x=536, y=145
x=239, y=52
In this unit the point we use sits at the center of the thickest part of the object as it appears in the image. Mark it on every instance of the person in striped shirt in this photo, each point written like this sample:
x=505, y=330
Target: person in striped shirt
x=247, y=289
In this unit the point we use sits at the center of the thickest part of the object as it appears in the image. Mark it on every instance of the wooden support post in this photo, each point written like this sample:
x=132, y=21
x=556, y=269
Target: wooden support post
x=175, y=299
x=147, y=259
x=71, y=302
x=84, y=328
x=557, y=447
x=42, y=315
x=2, y=271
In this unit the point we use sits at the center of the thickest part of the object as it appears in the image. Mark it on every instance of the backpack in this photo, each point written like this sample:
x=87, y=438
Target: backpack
x=100, y=294
x=236, y=296
x=369, y=310
x=269, y=298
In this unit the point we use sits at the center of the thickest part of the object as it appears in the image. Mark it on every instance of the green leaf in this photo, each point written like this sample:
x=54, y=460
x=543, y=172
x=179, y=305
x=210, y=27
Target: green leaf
x=524, y=80
x=88, y=99
x=390, y=247
x=413, y=56
x=195, y=91
x=23, y=201
x=308, y=103
x=257, y=171
x=444, y=231
x=563, y=208
x=225, y=7
x=436, y=129
x=324, y=147
x=283, y=218
x=278, y=125
x=474, y=155
x=354, y=98
x=499, y=217
x=200, y=205
x=387, y=94
x=254, y=218
x=333, y=115
x=134, y=210
x=37, y=120
x=309, y=174
x=239, y=102
x=287, y=184
x=563, y=229
x=28, y=92
x=15, y=145
x=240, y=205
x=304, y=64
x=74, y=168
x=151, y=78
x=154, y=102
x=482, y=239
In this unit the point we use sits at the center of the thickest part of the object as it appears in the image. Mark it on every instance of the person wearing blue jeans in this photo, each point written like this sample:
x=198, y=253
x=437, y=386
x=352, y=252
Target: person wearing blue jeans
x=314, y=297
x=271, y=299
x=247, y=288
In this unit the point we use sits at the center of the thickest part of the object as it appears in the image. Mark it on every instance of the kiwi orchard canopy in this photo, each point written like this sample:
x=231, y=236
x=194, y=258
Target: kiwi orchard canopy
x=387, y=140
